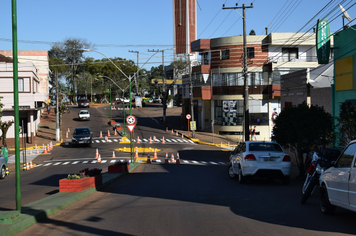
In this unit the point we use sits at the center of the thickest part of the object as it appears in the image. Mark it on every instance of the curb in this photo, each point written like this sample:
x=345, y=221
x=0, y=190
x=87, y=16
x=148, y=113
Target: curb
x=41, y=209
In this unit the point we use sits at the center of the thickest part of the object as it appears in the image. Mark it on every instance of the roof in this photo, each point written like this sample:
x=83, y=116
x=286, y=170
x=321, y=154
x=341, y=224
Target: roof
x=322, y=76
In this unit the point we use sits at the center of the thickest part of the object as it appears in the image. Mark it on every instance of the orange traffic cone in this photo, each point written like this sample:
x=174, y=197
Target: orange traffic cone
x=166, y=129
x=176, y=133
x=148, y=159
x=108, y=133
x=45, y=149
x=172, y=158
x=35, y=146
x=31, y=166
x=101, y=134
x=115, y=133
x=113, y=154
x=48, y=148
x=154, y=138
x=138, y=139
x=178, y=161
x=99, y=158
x=37, y=152
x=163, y=142
x=172, y=131
x=166, y=160
x=136, y=153
x=155, y=154
x=182, y=136
x=106, y=139
x=68, y=130
x=27, y=166
x=97, y=153
x=150, y=140
x=228, y=144
x=66, y=134
x=221, y=144
x=51, y=145
x=30, y=151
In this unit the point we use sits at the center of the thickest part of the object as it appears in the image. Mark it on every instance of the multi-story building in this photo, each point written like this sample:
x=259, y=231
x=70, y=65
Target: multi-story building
x=33, y=91
x=218, y=81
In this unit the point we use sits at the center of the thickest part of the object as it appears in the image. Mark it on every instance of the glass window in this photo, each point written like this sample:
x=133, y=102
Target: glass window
x=347, y=156
x=225, y=54
x=21, y=85
x=250, y=52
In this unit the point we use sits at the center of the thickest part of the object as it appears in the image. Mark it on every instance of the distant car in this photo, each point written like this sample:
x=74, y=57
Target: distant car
x=2, y=167
x=83, y=103
x=259, y=158
x=338, y=183
x=82, y=136
x=126, y=100
x=84, y=115
x=157, y=100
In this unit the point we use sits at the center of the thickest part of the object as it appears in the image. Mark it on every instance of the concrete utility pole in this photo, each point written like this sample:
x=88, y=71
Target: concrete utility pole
x=246, y=129
x=191, y=94
x=58, y=136
x=138, y=68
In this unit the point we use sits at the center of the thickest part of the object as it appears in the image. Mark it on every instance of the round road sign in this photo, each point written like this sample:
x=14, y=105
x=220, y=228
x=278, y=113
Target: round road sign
x=188, y=116
x=130, y=120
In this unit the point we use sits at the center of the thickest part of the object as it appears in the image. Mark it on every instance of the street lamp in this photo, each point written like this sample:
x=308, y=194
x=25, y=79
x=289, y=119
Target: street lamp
x=123, y=101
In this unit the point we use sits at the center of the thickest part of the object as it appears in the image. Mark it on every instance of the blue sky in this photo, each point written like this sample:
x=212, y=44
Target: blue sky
x=117, y=26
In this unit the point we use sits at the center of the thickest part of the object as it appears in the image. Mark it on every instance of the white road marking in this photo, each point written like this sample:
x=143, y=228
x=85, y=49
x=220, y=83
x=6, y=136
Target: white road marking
x=85, y=162
x=47, y=164
x=104, y=161
x=94, y=162
x=76, y=162
x=179, y=140
x=66, y=163
x=58, y=163
x=222, y=163
x=214, y=163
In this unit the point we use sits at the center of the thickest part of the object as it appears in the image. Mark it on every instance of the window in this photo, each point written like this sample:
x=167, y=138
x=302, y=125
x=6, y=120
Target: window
x=250, y=52
x=225, y=54
x=205, y=58
x=21, y=85
x=289, y=54
x=347, y=156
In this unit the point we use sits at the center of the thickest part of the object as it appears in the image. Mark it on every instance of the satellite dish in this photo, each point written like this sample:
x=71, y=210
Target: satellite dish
x=346, y=15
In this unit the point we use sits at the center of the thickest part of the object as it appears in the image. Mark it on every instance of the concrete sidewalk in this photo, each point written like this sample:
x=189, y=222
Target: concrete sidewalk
x=12, y=222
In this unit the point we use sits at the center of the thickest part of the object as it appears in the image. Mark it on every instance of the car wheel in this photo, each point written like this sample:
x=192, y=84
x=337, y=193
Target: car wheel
x=325, y=205
x=2, y=173
x=231, y=172
x=242, y=179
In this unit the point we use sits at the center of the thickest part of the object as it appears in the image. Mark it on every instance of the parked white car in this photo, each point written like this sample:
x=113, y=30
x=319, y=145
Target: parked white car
x=259, y=158
x=84, y=115
x=338, y=183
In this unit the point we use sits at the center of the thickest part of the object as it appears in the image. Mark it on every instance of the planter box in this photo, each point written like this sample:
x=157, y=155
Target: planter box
x=69, y=185
x=112, y=122
x=118, y=169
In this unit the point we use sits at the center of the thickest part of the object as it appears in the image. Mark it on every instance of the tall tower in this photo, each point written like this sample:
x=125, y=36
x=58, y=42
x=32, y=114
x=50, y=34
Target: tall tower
x=184, y=25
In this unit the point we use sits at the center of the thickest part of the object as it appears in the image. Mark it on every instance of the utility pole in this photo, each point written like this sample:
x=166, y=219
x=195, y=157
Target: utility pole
x=164, y=101
x=246, y=129
x=58, y=137
x=137, y=74
x=191, y=94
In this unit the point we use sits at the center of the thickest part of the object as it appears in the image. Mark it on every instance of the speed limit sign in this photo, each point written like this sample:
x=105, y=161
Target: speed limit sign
x=130, y=120
x=188, y=116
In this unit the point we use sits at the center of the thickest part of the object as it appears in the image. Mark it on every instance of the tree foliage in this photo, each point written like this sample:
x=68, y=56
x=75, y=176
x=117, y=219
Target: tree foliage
x=302, y=127
x=346, y=124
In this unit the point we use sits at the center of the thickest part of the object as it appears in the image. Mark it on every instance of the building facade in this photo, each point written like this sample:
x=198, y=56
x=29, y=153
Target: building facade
x=218, y=81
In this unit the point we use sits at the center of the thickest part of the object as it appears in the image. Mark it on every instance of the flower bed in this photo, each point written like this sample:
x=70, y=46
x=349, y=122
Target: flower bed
x=119, y=167
x=86, y=179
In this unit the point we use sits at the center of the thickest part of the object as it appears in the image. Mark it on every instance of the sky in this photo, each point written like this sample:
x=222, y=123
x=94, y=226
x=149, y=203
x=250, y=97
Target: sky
x=117, y=26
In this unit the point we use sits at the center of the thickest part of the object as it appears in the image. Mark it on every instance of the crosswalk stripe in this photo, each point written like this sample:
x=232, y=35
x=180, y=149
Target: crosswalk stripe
x=66, y=163
x=158, y=160
x=115, y=140
x=168, y=140
x=145, y=140
x=76, y=162
x=185, y=161
x=103, y=141
x=185, y=140
x=195, y=162
x=214, y=163
x=38, y=165
x=222, y=163
x=112, y=161
x=110, y=141
x=84, y=162
x=47, y=164
x=104, y=161
x=56, y=164
x=94, y=162
x=174, y=140
x=204, y=162
x=179, y=140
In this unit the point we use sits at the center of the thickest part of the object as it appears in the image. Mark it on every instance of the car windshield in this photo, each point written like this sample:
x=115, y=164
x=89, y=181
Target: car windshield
x=81, y=131
x=270, y=147
x=84, y=101
x=84, y=112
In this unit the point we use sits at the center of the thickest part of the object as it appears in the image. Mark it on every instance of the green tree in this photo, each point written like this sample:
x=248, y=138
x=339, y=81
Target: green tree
x=68, y=55
x=346, y=124
x=4, y=125
x=301, y=128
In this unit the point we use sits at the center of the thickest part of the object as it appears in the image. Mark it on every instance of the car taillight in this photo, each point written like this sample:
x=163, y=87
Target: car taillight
x=250, y=157
x=286, y=158
x=312, y=167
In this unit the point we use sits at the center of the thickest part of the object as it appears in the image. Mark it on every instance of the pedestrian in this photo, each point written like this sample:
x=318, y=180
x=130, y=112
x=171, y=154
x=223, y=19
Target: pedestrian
x=48, y=109
x=5, y=153
x=254, y=134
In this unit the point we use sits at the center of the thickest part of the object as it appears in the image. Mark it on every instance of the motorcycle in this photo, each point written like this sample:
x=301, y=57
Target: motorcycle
x=318, y=164
x=313, y=174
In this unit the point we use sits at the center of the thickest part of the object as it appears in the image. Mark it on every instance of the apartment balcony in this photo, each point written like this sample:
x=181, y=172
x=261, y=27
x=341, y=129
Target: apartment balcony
x=200, y=45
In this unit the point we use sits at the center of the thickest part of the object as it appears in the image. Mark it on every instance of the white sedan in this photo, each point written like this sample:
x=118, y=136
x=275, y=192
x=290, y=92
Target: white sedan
x=84, y=115
x=259, y=158
x=338, y=183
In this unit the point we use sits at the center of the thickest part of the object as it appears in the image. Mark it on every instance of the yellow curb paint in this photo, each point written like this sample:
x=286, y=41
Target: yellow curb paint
x=140, y=150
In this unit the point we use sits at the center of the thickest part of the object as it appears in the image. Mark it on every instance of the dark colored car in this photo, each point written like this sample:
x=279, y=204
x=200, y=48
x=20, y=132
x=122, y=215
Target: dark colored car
x=82, y=136
x=83, y=103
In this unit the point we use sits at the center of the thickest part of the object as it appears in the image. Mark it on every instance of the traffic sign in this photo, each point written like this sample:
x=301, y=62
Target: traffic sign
x=130, y=120
x=193, y=125
x=131, y=127
x=188, y=116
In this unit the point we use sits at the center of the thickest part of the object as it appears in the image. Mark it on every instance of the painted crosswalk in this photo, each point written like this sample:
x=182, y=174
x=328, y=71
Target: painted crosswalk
x=144, y=140
x=156, y=161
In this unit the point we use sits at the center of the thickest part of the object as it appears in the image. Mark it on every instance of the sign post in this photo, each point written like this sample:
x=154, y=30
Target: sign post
x=188, y=116
x=131, y=123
